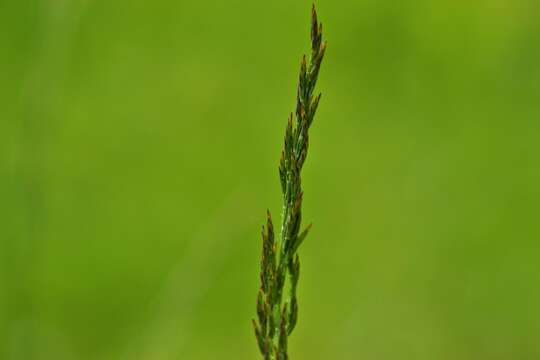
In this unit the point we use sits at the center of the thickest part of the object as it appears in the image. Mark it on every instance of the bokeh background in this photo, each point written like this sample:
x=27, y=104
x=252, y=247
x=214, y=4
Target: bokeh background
x=139, y=151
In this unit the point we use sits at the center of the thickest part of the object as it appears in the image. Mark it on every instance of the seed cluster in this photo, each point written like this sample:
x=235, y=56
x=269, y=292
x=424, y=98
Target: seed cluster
x=280, y=263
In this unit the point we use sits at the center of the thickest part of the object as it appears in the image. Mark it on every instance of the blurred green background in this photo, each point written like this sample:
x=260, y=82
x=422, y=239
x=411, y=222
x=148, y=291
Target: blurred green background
x=139, y=150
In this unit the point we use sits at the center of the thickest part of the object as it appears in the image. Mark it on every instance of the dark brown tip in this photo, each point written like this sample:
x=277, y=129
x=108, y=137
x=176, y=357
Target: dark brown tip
x=314, y=25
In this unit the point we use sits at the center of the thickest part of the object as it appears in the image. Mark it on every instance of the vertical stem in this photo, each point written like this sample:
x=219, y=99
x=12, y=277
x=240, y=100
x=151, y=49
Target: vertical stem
x=277, y=318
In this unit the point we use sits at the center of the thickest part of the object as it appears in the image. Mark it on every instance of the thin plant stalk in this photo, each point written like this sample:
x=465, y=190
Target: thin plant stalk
x=277, y=305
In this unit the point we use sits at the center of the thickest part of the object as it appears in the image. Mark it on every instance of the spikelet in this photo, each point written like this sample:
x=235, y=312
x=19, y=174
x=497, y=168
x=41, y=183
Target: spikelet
x=280, y=263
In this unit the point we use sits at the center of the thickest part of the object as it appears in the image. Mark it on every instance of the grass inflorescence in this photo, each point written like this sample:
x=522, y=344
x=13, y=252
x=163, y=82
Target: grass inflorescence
x=280, y=264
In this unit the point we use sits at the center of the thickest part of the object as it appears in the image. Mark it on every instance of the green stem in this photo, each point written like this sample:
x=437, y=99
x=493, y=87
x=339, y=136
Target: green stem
x=276, y=318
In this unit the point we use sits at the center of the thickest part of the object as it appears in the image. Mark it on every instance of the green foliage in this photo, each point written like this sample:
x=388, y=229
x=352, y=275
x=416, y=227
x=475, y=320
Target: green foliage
x=280, y=262
x=133, y=173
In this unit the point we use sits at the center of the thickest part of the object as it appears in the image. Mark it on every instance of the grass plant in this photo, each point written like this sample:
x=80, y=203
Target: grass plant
x=277, y=312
